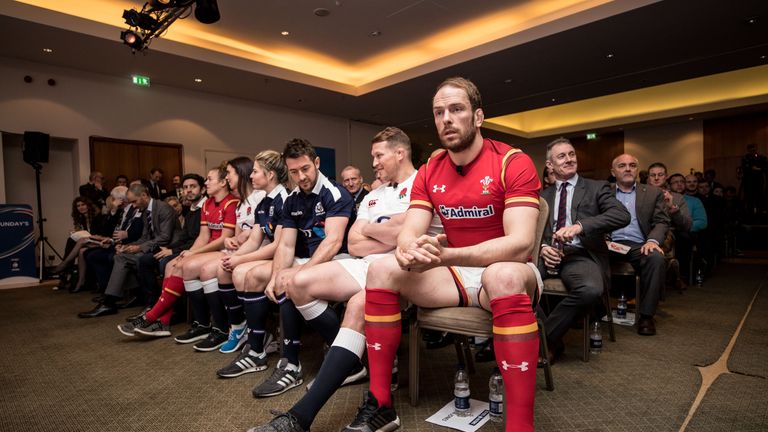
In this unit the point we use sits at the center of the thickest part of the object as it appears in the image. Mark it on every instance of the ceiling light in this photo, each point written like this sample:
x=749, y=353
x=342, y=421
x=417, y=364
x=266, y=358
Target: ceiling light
x=762, y=57
x=752, y=20
x=48, y=50
x=375, y=33
x=132, y=39
x=610, y=55
x=321, y=12
x=207, y=11
x=285, y=33
x=508, y=81
x=141, y=20
x=553, y=99
x=198, y=80
x=691, y=118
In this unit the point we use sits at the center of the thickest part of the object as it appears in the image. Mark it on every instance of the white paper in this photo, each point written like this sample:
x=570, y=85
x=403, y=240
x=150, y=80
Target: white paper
x=479, y=416
x=77, y=235
x=629, y=320
x=617, y=247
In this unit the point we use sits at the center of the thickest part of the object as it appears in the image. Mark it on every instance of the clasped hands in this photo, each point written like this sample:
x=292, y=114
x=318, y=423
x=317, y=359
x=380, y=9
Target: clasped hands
x=422, y=254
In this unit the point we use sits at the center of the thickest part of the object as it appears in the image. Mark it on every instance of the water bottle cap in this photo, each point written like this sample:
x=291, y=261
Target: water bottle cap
x=460, y=366
x=496, y=370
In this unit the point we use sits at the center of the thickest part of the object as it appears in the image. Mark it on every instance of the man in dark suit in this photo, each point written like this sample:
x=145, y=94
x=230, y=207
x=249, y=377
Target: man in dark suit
x=94, y=189
x=641, y=240
x=583, y=211
x=352, y=180
x=156, y=189
x=159, y=220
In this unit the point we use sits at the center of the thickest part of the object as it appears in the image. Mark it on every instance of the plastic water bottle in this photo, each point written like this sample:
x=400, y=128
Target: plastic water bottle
x=699, y=278
x=596, y=339
x=621, y=309
x=496, y=396
x=461, y=393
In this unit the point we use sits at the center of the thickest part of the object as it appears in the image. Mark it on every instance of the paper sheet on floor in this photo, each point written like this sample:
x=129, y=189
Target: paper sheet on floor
x=445, y=417
x=629, y=320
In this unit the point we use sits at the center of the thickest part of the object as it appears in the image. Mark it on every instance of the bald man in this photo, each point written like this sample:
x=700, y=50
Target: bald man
x=352, y=180
x=643, y=237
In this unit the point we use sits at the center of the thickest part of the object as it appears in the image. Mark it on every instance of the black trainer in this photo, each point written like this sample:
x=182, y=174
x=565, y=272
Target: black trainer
x=373, y=418
x=194, y=334
x=216, y=338
x=283, y=422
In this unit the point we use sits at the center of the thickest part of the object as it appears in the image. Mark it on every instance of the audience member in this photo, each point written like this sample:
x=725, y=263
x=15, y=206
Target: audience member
x=352, y=181
x=754, y=168
x=176, y=190
x=182, y=240
x=121, y=180
x=86, y=217
x=583, y=212
x=639, y=243
x=674, y=203
x=684, y=244
x=158, y=231
x=156, y=189
x=547, y=178
x=94, y=190
x=373, y=235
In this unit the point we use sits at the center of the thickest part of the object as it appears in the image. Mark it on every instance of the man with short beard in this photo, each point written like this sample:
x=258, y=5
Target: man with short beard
x=486, y=194
x=674, y=203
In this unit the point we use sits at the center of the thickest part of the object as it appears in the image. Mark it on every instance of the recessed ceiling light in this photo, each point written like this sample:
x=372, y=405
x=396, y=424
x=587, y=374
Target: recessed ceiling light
x=752, y=20
x=610, y=55
x=691, y=118
x=508, y=80
x=48, y=50
x=553, y=99
x=322, y=12
x=198, y=80
x=762, y=57
x=285, y=33
x=375, y=33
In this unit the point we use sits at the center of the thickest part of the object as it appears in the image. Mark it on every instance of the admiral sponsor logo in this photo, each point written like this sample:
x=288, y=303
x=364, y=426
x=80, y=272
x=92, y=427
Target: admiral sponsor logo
x=297, y=213
x=14, y=224
x=466, y=213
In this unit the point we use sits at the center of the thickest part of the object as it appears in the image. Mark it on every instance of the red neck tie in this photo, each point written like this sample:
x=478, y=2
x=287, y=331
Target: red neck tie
x=561, y=208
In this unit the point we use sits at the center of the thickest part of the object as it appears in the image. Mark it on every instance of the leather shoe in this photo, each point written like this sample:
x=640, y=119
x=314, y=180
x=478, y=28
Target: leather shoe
x=99, y=310
x=646, y=327
x=554, y=352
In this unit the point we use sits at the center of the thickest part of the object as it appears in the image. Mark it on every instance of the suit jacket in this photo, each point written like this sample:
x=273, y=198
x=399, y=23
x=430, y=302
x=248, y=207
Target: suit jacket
x=595, y=206
x=649, y=209
x=163, y=222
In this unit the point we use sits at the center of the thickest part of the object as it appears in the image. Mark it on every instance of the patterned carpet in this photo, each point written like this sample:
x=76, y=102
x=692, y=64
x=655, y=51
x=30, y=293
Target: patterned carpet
x=61, y=373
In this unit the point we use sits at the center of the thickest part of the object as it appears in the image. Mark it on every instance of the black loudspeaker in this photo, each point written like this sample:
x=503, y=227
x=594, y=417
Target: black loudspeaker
x=35, y=147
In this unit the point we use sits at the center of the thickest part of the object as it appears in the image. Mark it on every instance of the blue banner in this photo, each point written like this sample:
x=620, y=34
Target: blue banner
x=17, y=241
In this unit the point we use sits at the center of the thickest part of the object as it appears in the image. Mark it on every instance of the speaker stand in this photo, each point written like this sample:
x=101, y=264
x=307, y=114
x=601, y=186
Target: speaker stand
x=42, y=240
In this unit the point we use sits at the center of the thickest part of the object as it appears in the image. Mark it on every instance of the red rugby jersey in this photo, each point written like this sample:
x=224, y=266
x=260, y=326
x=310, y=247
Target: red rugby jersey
x=219, y=215
x=471, y=204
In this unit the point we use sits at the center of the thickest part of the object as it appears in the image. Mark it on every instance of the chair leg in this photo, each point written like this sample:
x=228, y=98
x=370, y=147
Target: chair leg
x=414, y=337
x=585, y=345
x=544, y=353
x=637, y=299
x=607, y=304
x=463, y=353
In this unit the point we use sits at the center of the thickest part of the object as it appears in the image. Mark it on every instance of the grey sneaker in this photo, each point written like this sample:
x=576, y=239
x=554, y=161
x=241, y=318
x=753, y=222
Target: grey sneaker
x=282, y=379
x=354, y=376
x=244, y=363
x=371, y=417
x=216, y=338
x=129, y=328
x=154, y=329
x=283, y=422
x=195, y=333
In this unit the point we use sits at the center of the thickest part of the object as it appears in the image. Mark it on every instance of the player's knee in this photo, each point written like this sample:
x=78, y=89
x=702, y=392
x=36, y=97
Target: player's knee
x=254, y=281
x=382, y=272
x=238, y=278
x=354, y=314
x=503, y=279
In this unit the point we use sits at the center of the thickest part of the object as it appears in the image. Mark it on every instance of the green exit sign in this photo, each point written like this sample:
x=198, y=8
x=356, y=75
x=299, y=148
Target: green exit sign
x=139, y=80
x=590, y=136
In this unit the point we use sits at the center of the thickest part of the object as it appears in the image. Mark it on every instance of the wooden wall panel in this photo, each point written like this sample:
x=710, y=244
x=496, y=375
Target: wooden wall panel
x=595, y=156
x=135, y=158
x=726, y=140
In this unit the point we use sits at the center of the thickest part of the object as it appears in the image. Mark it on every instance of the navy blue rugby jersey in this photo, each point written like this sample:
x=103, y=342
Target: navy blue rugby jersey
x=307, y=213
x=269, y=212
